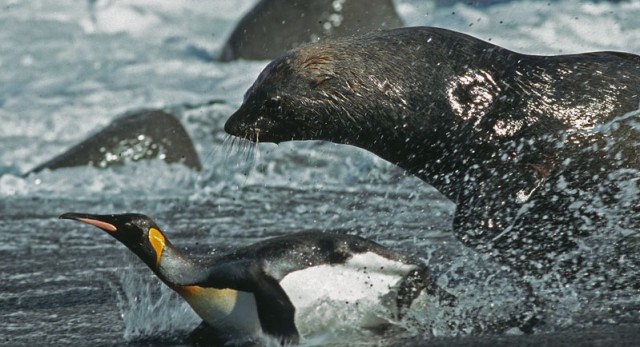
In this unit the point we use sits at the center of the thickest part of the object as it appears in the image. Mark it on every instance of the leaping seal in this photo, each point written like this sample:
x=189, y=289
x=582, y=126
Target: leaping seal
x=525, y=145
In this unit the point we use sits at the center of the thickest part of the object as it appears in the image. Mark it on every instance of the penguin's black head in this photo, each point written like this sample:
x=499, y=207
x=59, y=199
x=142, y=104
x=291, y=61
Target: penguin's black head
x=136, y=231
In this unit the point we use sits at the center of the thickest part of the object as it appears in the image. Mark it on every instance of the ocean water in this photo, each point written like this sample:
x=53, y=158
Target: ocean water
x=68, y=68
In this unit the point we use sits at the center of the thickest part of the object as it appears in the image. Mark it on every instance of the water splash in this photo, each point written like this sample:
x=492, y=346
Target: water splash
x=149, y=309
x=153, y=176
x=48, y=102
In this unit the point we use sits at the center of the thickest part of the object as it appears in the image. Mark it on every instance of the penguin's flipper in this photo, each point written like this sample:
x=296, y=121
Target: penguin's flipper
x=275, y=310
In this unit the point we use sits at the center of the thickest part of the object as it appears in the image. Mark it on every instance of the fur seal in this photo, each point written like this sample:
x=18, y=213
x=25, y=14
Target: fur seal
x=140, y=135
x=275, y=26
x=534, y=150
x=257, y=289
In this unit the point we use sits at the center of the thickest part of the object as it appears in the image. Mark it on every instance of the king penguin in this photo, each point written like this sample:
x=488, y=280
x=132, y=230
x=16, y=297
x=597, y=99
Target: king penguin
x=255, y=289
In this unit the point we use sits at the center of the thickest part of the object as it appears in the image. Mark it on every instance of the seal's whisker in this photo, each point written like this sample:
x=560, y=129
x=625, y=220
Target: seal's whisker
x=250, y=149
x=237, y=150
x=257, y=147
x=227, y=148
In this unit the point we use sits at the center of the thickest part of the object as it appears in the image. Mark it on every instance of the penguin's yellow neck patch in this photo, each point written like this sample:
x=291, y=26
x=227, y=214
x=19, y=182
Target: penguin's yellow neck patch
x=157, y=241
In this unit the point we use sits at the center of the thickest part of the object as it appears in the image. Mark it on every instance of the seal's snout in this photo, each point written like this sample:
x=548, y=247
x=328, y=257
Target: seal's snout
x=232, y=125
x=244, y=124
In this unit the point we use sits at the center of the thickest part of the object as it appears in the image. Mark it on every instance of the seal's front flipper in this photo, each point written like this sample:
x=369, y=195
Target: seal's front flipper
x=275, y=310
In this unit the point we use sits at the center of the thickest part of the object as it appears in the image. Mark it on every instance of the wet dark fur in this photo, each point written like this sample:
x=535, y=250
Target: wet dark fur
x=524, y=145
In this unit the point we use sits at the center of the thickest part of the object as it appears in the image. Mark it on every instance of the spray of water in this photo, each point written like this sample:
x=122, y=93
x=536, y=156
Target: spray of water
x=148, y=308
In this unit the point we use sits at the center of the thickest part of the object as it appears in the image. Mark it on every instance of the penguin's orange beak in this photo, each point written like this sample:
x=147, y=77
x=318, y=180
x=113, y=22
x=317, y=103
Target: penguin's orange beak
x=91, y=220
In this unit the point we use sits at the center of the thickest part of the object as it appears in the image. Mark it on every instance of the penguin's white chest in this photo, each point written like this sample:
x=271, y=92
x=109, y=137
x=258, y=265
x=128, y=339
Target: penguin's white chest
x=228, y=309
x=364, y=286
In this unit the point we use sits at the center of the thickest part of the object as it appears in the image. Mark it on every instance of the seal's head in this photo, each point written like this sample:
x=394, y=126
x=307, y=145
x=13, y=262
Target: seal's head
x=318, y=92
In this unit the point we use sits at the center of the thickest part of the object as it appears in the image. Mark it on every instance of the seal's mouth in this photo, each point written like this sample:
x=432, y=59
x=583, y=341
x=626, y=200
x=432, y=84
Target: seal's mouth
x=255, y=129
x=237, y=126
x=252, y=134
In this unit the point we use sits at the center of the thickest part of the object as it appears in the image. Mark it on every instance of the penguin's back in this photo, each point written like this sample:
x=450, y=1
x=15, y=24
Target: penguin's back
x=282, y=255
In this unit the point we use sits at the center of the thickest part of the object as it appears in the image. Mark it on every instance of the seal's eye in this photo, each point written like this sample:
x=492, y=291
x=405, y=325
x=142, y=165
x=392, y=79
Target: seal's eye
x=273, y=102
